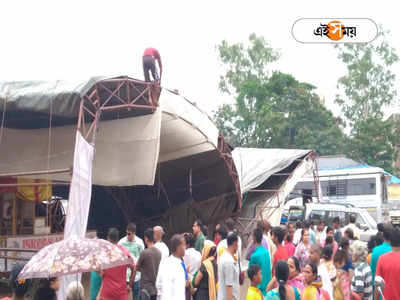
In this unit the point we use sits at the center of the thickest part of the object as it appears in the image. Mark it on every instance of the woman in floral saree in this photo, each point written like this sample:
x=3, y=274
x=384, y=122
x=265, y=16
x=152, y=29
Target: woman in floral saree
x=303, y=248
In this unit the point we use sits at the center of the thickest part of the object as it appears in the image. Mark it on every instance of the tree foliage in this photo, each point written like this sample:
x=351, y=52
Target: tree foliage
x=372, y=141
x=365, y=91
x=272, y=109
x=244, y=63
x=368, y=87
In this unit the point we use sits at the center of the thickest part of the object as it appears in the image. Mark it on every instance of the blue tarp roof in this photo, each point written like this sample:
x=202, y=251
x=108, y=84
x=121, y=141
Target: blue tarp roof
x=393, y=179
x=360, y=166
x=344, y=163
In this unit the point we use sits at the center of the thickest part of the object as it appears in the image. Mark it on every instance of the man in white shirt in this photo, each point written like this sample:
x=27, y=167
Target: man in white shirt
x=267, y=235
x=320, y=233
x=159, y=244
x=352, y=225
x=223, y=245
x=192, y=257
x=171, y=281
x=135, y=246
x=228, y=271
x=315, y=257
x=297, y=233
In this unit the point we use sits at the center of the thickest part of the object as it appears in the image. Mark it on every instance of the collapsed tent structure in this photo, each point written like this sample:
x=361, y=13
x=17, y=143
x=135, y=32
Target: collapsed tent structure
x=267, y=176
x=157, y=156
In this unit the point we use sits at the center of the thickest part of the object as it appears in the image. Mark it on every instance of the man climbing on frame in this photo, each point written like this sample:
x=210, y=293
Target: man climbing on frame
x=150, y=56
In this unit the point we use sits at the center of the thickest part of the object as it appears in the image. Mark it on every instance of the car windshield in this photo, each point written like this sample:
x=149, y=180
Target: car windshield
x=295, y=213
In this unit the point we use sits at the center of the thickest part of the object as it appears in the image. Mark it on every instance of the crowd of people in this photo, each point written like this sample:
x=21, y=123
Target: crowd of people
x=318, y=262
x=304, y=261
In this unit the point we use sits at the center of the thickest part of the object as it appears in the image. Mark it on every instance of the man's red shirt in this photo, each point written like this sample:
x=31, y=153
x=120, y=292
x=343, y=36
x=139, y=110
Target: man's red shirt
x=280, y=254
x=389, y=269
x=114, y=281
x=152, y=52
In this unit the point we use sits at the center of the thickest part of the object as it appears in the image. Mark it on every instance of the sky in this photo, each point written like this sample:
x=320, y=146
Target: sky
x=70, y=40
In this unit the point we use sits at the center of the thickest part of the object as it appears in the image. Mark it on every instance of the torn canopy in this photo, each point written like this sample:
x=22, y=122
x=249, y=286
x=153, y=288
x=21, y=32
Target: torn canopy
x=255, y=166
x=150, y=164
x=127, y=149
x=267, y=176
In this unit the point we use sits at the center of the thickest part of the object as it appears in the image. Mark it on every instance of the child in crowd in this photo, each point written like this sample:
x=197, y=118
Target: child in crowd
x=254, y=274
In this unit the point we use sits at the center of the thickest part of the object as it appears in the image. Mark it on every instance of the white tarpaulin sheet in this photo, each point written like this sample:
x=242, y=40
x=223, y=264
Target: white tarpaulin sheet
x=185, y=129
x=80, y=194
x=126, y=151
x=80, y=191
x=273, y=207
x=254, y=166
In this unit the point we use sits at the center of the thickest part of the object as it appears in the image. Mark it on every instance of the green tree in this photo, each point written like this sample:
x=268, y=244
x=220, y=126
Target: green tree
x=272, y=109
x=372, y=141
x=245, y=63
x=368, y=87
x=364, y=93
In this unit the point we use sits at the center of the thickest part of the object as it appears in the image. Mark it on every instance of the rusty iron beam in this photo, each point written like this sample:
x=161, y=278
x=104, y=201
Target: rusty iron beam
x=116, y=107
x=15, y=258
x=57, y=171
x=17, y=250
x=33, y=184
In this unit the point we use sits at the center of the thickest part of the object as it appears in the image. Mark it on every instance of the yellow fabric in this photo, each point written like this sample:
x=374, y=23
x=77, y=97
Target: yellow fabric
x=337, y=289
x=207, y=262
x=34, y=193
x=211, y=278
x=208, y=245
x=311, y=291
x=254, y=293
x=221, y=251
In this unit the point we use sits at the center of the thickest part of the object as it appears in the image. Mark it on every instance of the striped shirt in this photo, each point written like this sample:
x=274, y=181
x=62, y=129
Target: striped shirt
x=362, y=280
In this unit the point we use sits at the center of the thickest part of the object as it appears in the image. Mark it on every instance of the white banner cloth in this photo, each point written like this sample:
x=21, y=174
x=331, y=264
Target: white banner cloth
x=80, y=193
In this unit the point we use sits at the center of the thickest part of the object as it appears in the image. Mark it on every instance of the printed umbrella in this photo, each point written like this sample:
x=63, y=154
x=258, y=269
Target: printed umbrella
x=74, y=255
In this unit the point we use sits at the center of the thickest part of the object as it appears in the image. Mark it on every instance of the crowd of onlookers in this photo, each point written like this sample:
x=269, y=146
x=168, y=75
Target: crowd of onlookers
x=314, y=261
x=299, y=261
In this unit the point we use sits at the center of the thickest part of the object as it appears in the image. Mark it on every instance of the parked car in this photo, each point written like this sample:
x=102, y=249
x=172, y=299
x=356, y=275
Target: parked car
x=327, y=212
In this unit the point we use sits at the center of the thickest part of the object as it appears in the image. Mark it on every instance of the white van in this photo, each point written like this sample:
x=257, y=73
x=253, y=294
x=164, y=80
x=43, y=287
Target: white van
x=327, y=212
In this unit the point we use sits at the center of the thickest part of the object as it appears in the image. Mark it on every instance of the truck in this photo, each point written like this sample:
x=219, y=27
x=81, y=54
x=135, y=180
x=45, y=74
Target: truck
x=361, y=186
